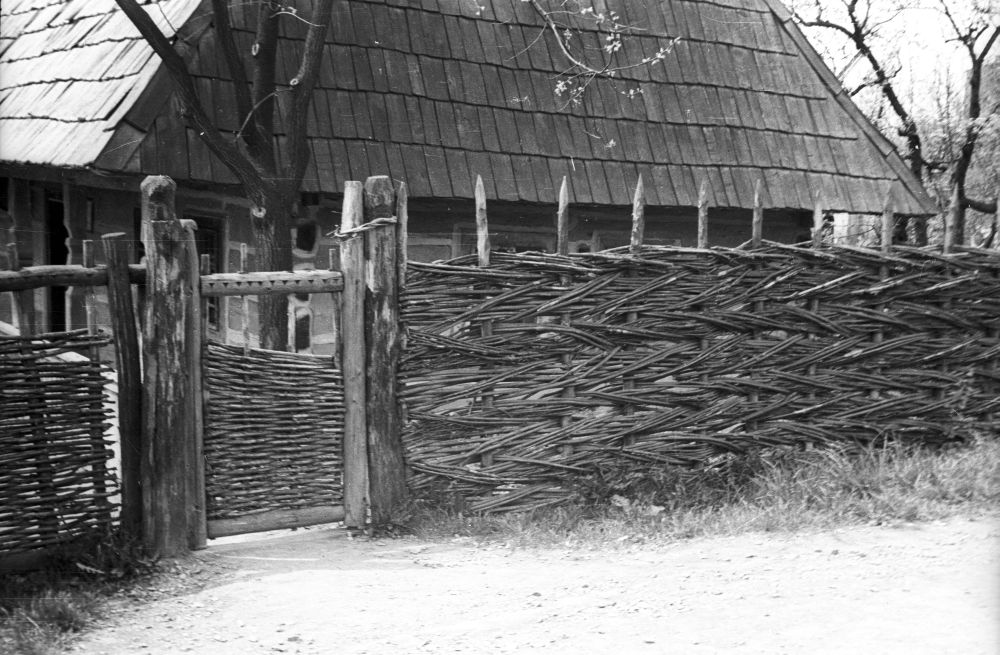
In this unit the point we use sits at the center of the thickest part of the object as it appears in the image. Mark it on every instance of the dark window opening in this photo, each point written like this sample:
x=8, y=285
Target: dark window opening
x=305, y=235
x=57, y=252
x=303, y=329
x=209, y=241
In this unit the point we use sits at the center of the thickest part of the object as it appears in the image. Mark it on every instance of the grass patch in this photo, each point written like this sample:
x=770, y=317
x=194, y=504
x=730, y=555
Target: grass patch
x=774, y=490
x=40, y=611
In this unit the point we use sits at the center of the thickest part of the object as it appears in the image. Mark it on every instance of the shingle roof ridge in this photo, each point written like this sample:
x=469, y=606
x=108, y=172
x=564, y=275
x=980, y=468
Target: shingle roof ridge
x=876, y=138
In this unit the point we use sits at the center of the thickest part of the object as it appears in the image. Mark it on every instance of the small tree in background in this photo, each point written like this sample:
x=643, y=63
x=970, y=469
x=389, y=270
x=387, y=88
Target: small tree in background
x=946, y=131
x=271, y=180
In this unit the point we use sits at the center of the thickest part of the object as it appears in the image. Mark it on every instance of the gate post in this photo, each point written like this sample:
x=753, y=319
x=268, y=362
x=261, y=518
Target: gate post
x=169, y=464
x=352, y=358
x=386, y=471
x=118, y=254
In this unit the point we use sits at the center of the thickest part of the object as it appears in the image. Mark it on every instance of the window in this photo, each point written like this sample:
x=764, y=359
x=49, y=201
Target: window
x=209, y=239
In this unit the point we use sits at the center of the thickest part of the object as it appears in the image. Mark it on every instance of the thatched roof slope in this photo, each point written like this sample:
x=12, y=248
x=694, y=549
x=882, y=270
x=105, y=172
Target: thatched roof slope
x=436, y=92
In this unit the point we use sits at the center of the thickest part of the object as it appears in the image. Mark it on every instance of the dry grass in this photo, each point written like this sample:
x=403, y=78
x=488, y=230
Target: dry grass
x=781, y=490
x=41, y=611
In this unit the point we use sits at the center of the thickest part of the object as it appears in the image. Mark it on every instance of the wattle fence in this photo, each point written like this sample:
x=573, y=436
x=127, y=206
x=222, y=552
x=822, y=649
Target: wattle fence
x=522, y=374
x=55, y=453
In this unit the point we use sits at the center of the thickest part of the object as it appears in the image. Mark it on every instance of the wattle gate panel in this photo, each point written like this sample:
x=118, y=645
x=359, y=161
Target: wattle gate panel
x=274, y=427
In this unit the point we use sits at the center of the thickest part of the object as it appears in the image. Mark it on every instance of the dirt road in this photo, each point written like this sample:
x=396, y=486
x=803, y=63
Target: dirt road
x=932, y=588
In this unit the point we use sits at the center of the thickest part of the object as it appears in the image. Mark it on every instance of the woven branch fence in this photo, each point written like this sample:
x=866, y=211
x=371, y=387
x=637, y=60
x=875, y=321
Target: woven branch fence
x=55, y=479
x=273, y=431
x=519, y=376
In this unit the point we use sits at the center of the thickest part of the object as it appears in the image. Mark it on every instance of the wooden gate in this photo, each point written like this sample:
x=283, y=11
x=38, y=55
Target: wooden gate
x=237, y=440
x=218, y=439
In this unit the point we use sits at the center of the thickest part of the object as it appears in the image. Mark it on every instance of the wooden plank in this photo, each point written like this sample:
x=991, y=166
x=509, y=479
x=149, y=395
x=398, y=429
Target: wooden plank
x=352, y=328
x=386, y=472
x=118, y=254
x=275, y=520
x=167, y=445
x=196, y=339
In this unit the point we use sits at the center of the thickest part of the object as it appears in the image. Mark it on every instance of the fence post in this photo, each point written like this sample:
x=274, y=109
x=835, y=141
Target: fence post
x=352, y=339
x=703, y=214
x=757, y=224
x=118, y=254
x=386, y=470
x=565, y=279
x=168, y=403
x=483, y=260
x=196, y=343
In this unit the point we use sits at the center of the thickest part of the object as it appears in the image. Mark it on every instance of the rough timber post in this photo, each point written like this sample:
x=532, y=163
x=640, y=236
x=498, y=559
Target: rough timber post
x=352, y=331
x=118, y=254
x=757, y=224
x=169, y=427
x=386, y=470
x=483, y=258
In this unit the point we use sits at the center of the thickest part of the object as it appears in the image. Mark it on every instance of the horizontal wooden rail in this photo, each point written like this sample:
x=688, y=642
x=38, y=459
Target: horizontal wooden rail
x=219, y=284
x=271, y=283
x=275, y=520
x=68, y=275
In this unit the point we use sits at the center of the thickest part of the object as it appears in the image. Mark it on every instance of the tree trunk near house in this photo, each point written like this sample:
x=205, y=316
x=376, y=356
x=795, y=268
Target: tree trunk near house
x=273, y=240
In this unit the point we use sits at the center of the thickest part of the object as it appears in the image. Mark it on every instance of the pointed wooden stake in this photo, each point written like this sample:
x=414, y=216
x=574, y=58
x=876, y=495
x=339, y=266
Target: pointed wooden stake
x=817, y=230
x=996, y=222
x=888, y=222
x=757, y=227
x=245, y=303
x=638, y=218
x=562, y=220
x=949, y=222
x=482, y=225
x=402, y=232
x=703, y=214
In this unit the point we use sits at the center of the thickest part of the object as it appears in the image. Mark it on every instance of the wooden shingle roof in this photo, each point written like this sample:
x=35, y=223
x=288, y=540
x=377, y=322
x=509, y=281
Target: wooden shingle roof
x=437, y=92
x=69, y=70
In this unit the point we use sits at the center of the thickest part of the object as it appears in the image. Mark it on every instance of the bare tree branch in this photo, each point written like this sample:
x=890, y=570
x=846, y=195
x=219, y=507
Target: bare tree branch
x=177, y=69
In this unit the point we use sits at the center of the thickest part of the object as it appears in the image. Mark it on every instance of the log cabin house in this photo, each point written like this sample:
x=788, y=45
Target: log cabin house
x=435, y=93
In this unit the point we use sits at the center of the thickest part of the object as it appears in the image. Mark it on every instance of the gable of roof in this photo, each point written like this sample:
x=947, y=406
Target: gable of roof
x=436, y=93
x=69, y=70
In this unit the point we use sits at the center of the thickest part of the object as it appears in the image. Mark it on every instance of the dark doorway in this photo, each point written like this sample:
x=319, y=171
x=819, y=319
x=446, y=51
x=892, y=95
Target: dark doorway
x=57, y=252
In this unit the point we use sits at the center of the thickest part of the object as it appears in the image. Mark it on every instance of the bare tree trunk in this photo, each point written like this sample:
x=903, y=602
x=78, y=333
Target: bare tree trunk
x=272, y=237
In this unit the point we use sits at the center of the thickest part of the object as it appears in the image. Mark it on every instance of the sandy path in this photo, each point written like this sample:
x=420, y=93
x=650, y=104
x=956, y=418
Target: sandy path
x=931, y=588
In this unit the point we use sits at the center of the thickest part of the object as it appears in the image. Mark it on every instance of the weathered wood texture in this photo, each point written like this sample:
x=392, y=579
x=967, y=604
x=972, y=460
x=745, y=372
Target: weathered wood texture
x=387, y=475
x=168, y=457
x=195, y=337
x=274, y=520
x=39, y=277
x=352, y=328
x=270, y=283
x=118, y=254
